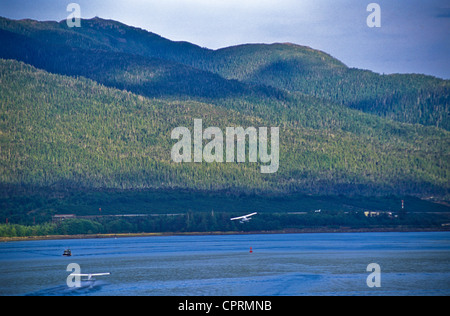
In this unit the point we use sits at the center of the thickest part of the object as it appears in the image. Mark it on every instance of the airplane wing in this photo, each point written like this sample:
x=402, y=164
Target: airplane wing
x=243, y=217
x=100, y=274
x=89, y=276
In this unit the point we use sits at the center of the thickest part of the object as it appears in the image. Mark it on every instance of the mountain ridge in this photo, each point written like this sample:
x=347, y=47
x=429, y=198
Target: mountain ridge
x=95, y=134
x=287, y=67
x=310, y=158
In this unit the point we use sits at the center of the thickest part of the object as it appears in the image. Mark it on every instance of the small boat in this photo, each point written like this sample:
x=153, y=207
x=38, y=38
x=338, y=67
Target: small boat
x=67, y=253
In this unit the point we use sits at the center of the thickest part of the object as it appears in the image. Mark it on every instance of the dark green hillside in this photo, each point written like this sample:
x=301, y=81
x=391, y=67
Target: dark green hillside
x=75, y=133
x=66, y=132
x=86, y=118
x=153, y=77
x=405, y=98
x=246, y=62
x=71, y=145
x=147, y=76
x=107, y=35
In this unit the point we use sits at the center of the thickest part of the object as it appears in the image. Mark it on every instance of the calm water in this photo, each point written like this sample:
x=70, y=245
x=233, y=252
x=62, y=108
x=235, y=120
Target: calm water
x=297, y=264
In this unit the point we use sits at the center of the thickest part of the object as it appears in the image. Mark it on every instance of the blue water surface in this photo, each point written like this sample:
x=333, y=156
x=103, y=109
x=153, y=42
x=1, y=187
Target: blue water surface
x=280, y=265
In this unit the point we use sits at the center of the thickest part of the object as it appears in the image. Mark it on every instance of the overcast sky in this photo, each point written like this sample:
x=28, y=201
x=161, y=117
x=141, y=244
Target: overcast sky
x=414, y=36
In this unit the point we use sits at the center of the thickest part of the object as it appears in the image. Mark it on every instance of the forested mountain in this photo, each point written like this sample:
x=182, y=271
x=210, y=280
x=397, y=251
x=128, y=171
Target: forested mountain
x=405, y=98
x=297, y=69
x=64, y=131
x=92, y=108
x=144, y=75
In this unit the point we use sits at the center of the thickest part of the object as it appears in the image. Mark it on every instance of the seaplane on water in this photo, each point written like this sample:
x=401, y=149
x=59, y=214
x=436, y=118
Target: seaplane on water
x=90, y=276
x=245, y=218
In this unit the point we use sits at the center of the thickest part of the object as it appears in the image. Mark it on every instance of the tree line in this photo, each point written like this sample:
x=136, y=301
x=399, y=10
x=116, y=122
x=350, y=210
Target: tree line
x=220, y=222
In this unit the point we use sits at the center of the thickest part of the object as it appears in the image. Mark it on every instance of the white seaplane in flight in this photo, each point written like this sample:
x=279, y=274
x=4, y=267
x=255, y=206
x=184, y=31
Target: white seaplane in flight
x=245, y=218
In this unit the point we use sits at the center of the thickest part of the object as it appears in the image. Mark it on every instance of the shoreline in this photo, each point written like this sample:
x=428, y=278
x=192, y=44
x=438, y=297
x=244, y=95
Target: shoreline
x=321, y=230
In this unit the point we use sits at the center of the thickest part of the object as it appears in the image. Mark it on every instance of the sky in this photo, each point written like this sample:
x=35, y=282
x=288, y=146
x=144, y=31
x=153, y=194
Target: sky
x=414, y=36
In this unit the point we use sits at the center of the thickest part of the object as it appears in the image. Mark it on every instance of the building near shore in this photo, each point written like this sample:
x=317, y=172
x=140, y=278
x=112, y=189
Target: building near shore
x=58, y=218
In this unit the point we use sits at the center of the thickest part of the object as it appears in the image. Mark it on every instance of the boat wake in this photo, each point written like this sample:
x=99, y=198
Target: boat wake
x=86, y=288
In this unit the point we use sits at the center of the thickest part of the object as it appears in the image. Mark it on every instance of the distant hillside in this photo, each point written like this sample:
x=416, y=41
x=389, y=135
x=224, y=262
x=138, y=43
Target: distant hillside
x=297, y=69
x=404, y=98
x=144, y=75
x=71, y=132
x=93, y=108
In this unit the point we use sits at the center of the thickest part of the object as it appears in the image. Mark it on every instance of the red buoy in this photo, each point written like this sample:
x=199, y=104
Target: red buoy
x=251, y=250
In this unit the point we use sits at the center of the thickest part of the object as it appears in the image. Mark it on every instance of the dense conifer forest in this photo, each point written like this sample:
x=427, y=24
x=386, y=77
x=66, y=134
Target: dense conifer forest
x=91, y=109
